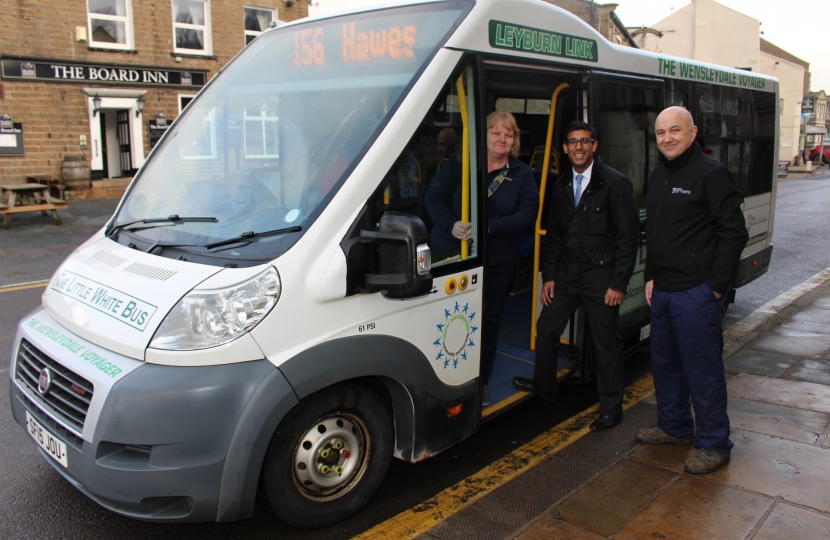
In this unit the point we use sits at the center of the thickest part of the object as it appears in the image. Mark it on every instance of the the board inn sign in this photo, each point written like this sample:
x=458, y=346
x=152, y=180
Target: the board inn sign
x=43, y=70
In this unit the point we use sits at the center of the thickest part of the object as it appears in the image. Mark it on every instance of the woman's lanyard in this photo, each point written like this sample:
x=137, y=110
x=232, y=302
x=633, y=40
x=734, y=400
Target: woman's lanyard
x=494, y=185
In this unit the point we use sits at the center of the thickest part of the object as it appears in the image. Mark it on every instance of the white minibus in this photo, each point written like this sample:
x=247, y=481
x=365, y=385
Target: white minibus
x=263, y=316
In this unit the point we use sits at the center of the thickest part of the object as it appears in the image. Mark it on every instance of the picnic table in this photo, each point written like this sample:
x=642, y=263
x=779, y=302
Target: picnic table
x=17, y=198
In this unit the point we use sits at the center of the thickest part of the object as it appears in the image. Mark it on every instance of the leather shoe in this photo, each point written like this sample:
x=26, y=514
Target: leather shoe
x=606, y=422
x=523, y=383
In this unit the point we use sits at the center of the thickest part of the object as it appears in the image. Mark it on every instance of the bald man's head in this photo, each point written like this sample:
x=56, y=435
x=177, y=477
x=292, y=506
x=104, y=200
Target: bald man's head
x=675, y=130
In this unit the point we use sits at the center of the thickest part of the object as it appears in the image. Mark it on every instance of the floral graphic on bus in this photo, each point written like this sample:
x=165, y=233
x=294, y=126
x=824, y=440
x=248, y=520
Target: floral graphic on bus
x=456, y=334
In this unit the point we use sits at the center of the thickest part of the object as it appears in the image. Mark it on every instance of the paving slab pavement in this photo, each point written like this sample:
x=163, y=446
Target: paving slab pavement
x=775, y=487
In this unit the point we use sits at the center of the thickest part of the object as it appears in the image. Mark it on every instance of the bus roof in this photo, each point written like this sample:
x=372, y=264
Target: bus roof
x=537, y=30
x=534, y=29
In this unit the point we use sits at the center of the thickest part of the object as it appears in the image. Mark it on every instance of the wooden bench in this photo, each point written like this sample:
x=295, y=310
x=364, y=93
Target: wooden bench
x=55, y=186
x=29, y=198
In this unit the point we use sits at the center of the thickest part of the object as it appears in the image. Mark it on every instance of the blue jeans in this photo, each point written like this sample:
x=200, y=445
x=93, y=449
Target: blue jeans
x=687, y=364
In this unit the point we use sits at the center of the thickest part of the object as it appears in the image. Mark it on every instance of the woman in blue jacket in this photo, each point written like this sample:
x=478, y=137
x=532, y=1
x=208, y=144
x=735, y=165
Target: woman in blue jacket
x=512, y=204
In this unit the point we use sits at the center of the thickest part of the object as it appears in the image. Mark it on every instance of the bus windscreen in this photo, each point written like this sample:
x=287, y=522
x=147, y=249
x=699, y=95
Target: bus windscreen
x=271, y=139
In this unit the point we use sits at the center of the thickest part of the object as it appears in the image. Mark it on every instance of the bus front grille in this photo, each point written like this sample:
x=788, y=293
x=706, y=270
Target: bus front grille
x=69, y=395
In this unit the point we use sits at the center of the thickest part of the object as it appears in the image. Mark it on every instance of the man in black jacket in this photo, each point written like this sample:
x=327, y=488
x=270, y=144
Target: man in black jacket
x=589, y=255
x=695, y=234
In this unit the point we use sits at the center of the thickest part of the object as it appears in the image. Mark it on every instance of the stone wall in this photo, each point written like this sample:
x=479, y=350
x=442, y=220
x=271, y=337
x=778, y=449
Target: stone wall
x=55, y=116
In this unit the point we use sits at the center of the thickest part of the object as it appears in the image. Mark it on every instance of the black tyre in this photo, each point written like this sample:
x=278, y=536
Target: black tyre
x=327, y=457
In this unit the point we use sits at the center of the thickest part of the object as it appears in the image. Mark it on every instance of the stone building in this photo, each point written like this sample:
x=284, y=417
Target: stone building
x=601, y=17
x=814, y=111
x=103, y=78
x=710, y=32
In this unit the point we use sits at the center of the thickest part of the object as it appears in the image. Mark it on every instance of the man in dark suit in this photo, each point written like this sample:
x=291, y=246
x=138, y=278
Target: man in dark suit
x=589, y=256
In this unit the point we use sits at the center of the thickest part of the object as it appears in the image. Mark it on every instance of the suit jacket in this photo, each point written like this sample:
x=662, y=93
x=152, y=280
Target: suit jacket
x=592, y=246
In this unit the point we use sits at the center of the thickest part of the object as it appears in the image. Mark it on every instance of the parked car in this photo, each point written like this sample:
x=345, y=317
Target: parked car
x=825, y=153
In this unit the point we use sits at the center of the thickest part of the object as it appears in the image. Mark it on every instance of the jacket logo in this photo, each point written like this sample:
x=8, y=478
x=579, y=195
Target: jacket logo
x=681, y=191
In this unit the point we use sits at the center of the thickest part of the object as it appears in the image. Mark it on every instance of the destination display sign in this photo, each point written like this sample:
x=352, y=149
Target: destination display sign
x=514, y=37
x=61, y=71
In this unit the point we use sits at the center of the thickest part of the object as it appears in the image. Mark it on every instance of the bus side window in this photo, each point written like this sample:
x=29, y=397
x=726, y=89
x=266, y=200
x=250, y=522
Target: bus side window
x=433, y=152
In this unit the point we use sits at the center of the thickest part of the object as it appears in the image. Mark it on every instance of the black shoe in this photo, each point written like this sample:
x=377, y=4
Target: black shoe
x=523, y=383
x=606, y=422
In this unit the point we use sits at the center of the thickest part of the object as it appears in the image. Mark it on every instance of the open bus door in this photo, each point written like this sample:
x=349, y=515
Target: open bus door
x=623, y=110
x=543, y=101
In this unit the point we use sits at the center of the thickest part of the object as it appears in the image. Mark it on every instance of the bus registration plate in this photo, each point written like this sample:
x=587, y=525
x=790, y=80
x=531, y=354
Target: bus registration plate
x=47, y=441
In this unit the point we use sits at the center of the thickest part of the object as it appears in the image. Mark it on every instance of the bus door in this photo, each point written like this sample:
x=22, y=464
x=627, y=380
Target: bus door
x=543, y=100
x=623, y=111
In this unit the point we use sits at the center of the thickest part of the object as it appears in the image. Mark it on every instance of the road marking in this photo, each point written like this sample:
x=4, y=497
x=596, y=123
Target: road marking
x=417, y=520
x=771, y=308
x=23, y=286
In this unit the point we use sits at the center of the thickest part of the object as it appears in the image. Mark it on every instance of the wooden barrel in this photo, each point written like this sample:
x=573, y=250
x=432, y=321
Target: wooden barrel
x=75, y=172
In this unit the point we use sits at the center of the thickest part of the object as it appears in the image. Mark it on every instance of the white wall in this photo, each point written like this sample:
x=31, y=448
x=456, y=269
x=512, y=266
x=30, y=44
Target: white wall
x=736, y=38
x=791, y=89
x=707, y=31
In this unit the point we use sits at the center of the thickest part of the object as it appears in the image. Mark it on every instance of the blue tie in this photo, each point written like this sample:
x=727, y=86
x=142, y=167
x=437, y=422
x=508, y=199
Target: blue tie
x=578, y=189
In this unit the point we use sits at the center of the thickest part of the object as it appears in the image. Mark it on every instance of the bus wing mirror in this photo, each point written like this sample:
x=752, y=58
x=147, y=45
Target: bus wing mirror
x=400, y=259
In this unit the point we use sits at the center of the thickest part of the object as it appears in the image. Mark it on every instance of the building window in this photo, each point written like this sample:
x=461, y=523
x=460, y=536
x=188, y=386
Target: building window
x=198, y=141
x=184, y=99
x=191, y=26
x=261, y=135
x=110, y=24
x=257, y=21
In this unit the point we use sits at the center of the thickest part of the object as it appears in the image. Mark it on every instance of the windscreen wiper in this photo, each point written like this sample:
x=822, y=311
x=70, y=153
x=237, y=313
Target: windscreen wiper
x=246, y=237
x=173, y=218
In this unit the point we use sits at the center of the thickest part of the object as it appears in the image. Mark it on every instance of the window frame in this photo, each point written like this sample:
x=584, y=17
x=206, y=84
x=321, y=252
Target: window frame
x=265, y=120
x=128, y=28
x=254, y=33
x=179, y=98
x=207, y=43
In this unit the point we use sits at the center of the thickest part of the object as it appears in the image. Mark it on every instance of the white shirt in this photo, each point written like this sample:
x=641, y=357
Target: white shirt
x=586, y=179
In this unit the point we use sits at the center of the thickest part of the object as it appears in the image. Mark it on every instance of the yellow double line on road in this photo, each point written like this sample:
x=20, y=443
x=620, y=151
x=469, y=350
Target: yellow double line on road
x=24, y=286
x=419, y=519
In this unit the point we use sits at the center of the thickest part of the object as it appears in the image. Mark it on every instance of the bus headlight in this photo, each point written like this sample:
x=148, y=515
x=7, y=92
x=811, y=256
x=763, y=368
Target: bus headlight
x=209, y=318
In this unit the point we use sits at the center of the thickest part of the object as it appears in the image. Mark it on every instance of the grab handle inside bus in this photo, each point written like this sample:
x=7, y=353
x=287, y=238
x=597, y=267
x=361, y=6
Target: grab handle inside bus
x=537, y=237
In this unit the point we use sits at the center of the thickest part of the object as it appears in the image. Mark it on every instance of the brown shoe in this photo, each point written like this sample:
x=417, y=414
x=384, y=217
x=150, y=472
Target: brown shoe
x=655, y=435
x=705, y=461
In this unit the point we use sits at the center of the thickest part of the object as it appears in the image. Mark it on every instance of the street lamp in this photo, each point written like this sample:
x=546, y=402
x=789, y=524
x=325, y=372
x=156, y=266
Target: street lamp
x=139, y=106
x=96, y=104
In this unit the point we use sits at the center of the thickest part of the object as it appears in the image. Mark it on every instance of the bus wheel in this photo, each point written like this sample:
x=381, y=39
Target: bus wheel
x=328, y=456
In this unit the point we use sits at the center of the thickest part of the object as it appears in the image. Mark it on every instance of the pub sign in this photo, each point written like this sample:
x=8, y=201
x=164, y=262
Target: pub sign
x=62, y=71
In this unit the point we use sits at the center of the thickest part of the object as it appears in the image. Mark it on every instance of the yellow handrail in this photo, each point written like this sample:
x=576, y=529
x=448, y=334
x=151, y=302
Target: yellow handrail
x=537, y=237
x=465, y=162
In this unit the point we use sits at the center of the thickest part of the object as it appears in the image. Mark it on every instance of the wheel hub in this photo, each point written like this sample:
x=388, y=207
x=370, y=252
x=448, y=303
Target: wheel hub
x=330, y=457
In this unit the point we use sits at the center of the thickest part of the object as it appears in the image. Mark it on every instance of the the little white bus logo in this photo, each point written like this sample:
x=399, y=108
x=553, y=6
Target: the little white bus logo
x=456, y=332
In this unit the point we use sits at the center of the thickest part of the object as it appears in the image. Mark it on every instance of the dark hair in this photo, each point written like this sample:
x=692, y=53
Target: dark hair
x=579, y=125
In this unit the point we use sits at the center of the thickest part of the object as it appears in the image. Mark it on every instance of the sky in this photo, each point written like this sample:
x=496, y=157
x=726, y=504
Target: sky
x=797, y=26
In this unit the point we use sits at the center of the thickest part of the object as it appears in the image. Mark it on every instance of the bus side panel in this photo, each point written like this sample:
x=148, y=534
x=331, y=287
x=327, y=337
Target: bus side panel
x=420, y=400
